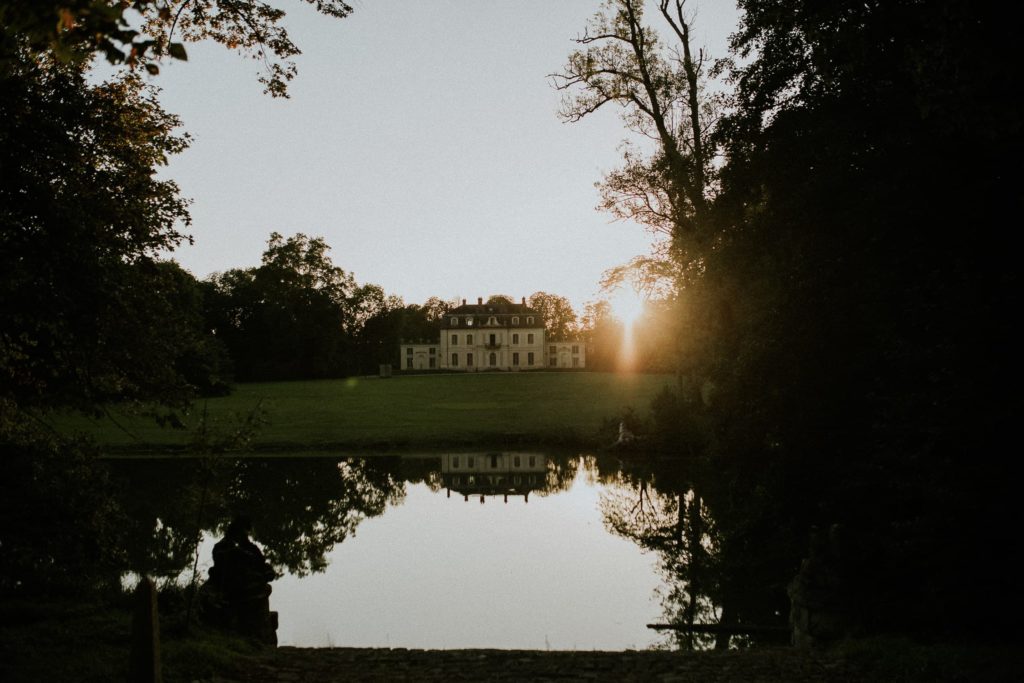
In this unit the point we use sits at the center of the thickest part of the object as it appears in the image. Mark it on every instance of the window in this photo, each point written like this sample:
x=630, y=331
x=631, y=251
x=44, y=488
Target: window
x=469, y=360
x=493, y=360
x=533, y=460
x=575, y=362
x=408, y=363
x=552, y=350
x=553, y=361
x=515, y=338
x=515, y=359
x=469, y=340
x=494, y=462
x=455, y=360
x=516, y=461
x=433, y=363
x=455, y=340
x=408, y=351
x=575, y=348
x=515, y=320
x=455, y=461
x=492, y=320
x=455, y=322
x=493, y=341
x=469, y=321
x=433, y=351
x=529, y=320
x=529, y=338
x=529, y=358
x=470, y=461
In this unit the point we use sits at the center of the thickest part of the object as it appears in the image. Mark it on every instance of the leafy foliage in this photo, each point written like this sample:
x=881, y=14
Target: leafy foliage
x=871, y=345
x=89, y=316
x=841, y=306
x=141, y=33
x=559, y=318
x=84, y=216
x=286, y=319
x=298, y=316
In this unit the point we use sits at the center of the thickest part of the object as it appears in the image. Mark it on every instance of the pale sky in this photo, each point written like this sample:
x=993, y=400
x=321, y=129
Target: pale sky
x=421, y=141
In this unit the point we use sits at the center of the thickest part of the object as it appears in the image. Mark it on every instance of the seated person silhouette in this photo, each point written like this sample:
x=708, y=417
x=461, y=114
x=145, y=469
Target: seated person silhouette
x=239, y=575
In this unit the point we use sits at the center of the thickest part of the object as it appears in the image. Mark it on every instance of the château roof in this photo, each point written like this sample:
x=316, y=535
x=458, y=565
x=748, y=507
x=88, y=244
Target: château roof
x=480, y=312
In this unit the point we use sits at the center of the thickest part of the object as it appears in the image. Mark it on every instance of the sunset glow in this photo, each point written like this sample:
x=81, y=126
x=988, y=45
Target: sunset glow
x=627, y=307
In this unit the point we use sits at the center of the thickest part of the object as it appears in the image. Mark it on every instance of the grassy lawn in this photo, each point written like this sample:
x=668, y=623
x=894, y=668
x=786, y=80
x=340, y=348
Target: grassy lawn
x=419, y=411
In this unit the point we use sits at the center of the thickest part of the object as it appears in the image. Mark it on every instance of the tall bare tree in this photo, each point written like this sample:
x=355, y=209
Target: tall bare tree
x=659, y=86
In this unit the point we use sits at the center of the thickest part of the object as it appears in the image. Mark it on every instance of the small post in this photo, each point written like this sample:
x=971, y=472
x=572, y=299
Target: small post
x=144, y=665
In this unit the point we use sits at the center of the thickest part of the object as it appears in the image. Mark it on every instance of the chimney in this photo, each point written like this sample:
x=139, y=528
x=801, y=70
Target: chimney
x=524, y=300
x=463, y=302
x=479, y=301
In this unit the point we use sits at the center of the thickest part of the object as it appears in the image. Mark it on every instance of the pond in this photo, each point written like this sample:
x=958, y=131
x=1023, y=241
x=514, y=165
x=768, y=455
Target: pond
x=453, y=550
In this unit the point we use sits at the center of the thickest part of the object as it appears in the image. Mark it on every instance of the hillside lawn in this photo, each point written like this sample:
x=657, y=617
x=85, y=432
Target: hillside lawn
x=402, y=412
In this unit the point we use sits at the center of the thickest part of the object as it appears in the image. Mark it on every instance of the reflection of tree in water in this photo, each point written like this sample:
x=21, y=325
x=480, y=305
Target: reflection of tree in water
x=719, y=568
x=678, y=528
x=161, y=499
x=424, y=470
x=561, y=472
x=301, y=507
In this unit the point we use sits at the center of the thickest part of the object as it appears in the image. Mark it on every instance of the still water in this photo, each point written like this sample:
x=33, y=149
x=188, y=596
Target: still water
x=501, y=550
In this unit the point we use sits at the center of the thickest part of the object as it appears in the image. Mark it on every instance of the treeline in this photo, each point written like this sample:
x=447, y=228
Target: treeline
x=299, y=316
x=295, y=316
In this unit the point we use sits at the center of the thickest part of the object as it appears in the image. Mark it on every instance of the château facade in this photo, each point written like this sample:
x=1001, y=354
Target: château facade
x=492, y=336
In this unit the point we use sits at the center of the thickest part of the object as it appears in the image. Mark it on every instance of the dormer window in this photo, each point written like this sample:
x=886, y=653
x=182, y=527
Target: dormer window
x=455, y=322
x=529, y=320
x=492, y=320
x=469, y=320
x=515, y=320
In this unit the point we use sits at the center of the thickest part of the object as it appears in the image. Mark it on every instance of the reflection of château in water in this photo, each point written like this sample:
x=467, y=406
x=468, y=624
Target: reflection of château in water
x=494, y=474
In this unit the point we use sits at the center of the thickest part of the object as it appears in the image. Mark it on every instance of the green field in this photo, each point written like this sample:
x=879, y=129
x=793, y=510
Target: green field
x=405, y=412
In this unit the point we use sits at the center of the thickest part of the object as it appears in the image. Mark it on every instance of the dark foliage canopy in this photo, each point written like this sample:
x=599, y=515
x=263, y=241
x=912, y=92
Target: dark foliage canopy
x=845, y=346
x=863, y=240
x=83, y=217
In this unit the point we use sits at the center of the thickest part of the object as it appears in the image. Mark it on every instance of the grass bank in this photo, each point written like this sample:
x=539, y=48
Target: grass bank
x=421, y=411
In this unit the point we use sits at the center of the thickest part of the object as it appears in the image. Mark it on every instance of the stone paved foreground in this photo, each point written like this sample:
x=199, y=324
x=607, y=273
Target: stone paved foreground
x=294, y=665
